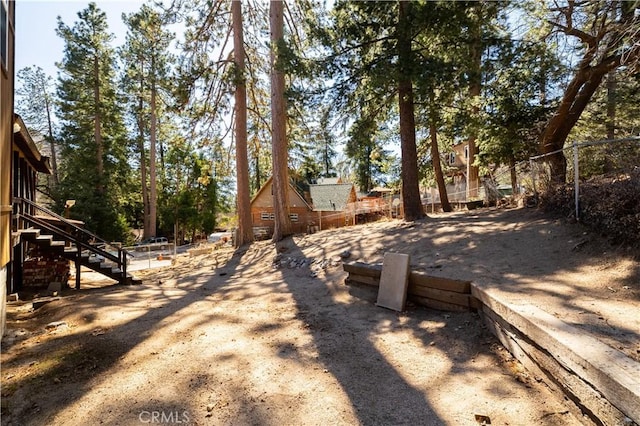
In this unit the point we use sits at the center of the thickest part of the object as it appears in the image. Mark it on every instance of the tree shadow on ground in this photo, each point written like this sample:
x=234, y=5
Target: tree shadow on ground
x=368, y=368
x=61, y=368
x=526, y=256
x=74, y=368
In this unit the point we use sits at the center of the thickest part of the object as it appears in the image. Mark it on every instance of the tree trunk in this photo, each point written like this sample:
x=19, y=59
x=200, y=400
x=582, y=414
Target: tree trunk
x=97, y=127
x=143, y=164
x=612, y=86
x=601, y=56
x=410, y=190
x=574, y=101
x=473, y=178
x=245, y=226
x=257, y=172
x=282, y=223
x=327, y=160
x=153, y=188
x=514, y=175
x=611, y=104
x=52, y=144
x=435, y=154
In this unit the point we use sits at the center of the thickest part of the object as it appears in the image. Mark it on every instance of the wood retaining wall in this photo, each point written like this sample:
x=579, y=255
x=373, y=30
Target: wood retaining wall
x=433, y=292
x=601, y=383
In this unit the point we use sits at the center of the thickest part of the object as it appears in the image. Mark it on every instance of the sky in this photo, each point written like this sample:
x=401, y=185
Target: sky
x=36, y=22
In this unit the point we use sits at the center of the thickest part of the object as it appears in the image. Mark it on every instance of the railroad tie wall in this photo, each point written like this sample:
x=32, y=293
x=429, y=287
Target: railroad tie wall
x=425, y=290
x=601, y=385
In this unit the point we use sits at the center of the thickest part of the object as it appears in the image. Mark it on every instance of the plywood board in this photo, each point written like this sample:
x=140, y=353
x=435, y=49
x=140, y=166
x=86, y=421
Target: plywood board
x=394, y=281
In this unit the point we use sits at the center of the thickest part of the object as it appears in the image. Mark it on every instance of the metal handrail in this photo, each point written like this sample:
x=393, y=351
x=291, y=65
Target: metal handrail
x=60, y=218
x=88, y=242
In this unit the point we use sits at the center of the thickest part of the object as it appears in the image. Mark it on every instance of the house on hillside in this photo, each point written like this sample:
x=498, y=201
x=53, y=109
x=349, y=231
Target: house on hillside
x=323, y=206
x=262, y=211
x=458, y=161
x=334, y=204
x=455, y=165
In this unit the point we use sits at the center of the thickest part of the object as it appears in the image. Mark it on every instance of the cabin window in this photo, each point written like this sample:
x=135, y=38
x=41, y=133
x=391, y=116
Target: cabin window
x=4, y=33
x=452, y=158
x=466, y=152
x=267, y=216
x=293, y=217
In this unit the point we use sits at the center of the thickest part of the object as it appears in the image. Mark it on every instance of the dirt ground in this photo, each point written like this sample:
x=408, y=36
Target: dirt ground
x=271, y=335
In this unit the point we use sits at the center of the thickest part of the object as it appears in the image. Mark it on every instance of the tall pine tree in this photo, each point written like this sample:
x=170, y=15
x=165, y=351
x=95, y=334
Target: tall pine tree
x=94, y=170
x=35, y=103
x=147, y=70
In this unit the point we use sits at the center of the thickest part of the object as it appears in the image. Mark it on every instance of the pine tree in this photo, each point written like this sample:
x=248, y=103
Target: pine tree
x=146, y=80
x=35, y=104
x=210, y=75
x=94, y=170
x=245, y=226
x=513, y=113
x=374, y=64
x=282, y=223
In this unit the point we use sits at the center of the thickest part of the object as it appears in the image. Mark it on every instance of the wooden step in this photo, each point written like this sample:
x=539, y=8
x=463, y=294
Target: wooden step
x=93, y=259
x=29, y=233
x=103, y=264
x=44, y=237
x=132, y=280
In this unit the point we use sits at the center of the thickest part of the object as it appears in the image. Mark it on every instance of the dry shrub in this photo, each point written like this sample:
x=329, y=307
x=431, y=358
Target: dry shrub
x=609, y=204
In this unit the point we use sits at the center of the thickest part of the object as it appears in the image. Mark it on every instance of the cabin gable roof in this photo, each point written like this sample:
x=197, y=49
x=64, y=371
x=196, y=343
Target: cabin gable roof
x=264, y=197
x=333, y=197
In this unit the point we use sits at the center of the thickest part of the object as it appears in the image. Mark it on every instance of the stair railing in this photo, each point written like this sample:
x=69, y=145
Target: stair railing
x=25, y=211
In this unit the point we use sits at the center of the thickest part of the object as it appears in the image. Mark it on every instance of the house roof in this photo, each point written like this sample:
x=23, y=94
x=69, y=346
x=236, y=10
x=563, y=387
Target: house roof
x=292, y=188
x=24, y=142
x=330, y=197
x=329, y=180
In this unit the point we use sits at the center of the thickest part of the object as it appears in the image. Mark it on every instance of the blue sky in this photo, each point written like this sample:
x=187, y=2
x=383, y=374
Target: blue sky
x=36, y=22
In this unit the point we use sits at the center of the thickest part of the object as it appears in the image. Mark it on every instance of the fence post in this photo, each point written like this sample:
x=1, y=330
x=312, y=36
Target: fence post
x=576, y=179
x=533, y=178
x=122, y=254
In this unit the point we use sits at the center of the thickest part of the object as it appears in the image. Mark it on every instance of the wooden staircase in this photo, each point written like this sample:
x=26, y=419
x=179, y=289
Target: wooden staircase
x=60, y=236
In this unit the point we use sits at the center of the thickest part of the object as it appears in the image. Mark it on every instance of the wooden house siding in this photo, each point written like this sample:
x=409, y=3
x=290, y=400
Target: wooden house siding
x=6, y=152
x=301, y=218
x=262, y=211
x=6, y=136
x=329, y=206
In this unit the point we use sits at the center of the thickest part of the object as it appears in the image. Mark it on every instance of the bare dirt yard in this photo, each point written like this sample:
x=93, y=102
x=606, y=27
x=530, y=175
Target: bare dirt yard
x=271, y=335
